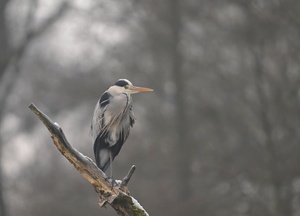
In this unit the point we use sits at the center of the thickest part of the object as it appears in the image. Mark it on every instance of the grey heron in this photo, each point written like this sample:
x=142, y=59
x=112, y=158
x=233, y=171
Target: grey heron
x=112, y=119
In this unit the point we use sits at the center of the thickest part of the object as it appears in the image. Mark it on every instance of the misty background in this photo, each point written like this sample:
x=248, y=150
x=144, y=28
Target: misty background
x=218, y=136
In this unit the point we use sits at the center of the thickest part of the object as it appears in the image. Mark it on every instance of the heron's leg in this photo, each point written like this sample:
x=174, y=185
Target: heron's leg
x=111, y=170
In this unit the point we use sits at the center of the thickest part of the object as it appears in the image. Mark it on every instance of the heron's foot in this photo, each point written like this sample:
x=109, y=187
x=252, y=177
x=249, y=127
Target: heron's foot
x=111, y=181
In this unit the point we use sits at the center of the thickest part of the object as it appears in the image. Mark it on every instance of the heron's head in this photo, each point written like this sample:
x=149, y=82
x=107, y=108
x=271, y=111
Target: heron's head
x=125, y=86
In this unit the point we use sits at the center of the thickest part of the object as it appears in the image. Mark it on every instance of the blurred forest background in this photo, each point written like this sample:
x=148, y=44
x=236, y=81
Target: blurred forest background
x=219, y=136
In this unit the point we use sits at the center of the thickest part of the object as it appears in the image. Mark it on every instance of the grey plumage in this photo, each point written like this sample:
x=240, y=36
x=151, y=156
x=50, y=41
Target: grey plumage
x=112, y=119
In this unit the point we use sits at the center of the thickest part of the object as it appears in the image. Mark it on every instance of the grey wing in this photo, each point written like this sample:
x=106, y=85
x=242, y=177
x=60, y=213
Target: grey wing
x=97, y=122
x=101, y=151
x=98, y=117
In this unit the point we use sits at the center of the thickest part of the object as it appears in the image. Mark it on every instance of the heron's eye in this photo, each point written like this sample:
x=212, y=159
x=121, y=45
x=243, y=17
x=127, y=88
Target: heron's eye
x=126, y=87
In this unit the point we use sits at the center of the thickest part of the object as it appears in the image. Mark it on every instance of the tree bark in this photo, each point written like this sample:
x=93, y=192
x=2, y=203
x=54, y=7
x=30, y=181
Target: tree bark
x=118, y=197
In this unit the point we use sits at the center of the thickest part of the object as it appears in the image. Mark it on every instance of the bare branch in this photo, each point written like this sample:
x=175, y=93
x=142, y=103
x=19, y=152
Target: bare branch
x=10, y=63
x=126, y=179
x=34, y=33
x=118, y=197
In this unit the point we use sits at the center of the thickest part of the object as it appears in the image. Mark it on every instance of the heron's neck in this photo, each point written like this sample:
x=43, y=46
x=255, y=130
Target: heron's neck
x=116, y=90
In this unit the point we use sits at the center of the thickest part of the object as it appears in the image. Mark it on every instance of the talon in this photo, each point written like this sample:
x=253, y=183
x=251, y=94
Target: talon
x=111, y=180
x=107, y=178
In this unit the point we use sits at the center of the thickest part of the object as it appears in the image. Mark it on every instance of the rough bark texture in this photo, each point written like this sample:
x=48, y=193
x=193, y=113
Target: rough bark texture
x=118, y=197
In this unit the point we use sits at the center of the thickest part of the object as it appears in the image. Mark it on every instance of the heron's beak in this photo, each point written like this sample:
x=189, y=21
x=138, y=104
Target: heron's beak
x=136, y=89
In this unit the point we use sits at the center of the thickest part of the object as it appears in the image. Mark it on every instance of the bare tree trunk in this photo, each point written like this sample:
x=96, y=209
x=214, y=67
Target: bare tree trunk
x=2, y=201
x=10, y=65
x=4, y=46
x=264, y=116
x=182, y=145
